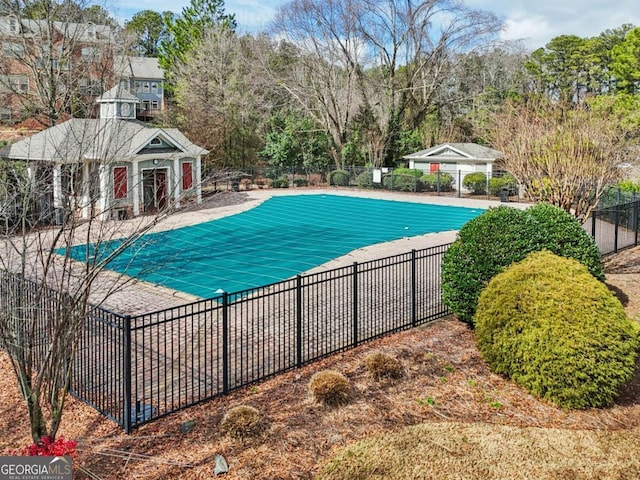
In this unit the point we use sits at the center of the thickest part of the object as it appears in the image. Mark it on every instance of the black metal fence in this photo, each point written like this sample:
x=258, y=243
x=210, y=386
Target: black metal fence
x=448, y=182
x=137, y=369
x=614, y=224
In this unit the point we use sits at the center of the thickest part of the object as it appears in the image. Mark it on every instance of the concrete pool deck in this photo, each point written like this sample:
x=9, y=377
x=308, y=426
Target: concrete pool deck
x=136, y=297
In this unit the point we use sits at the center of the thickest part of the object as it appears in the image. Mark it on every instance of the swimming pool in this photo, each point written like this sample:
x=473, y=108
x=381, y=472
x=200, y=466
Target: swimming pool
x=278, y=239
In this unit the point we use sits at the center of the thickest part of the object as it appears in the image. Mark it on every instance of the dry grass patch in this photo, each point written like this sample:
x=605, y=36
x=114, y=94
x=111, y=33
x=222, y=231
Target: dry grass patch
x=243, y=421
x=382, y=366
x=330, y=388
x=458, y=450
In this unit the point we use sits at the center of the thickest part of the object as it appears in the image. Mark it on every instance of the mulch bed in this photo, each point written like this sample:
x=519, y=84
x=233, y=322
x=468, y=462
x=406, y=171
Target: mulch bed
x=445, y=380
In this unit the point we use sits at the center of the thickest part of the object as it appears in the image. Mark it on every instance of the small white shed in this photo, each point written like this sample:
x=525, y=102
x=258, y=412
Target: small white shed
x=456, y=159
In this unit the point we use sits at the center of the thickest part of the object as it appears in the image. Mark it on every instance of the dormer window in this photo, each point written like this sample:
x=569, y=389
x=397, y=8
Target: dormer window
x=155, y=141
x=91, y=31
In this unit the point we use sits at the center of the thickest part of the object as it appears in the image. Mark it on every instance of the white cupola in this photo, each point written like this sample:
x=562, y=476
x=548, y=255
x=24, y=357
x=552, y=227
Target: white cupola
x=118, y=103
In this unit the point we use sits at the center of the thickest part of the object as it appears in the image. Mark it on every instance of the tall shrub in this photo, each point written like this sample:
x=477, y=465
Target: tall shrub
x=339, y=178
x=500, y=236
x=432, y=181
x=551, y=327
x=402, y=183
x=476, y=183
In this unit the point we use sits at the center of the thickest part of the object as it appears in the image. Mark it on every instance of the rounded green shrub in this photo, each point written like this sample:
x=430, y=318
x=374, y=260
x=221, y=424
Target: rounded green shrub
x=431, y=180
x=242, y=421
x=339, y=178
x=329, y=387
x=281, y=182
x=500, y=236
x=497, y=183
x=402, y=183
x=564, y=235
x=414, y=172
x=476, y=183
x=551, y=327
x=382, y=366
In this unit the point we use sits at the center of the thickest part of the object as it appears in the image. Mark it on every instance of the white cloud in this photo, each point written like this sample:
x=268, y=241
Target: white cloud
x=531, y=29
x=539, y=21
x=535, y=21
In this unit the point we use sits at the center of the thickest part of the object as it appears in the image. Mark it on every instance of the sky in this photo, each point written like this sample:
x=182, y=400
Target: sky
x=535, y=22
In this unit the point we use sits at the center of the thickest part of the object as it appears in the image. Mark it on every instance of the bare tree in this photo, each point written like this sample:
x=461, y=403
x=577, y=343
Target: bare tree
x=220, y=97
x=56, y=241
x=322, y=78
x=56, y=59
x=561, y=156
x=380, y=58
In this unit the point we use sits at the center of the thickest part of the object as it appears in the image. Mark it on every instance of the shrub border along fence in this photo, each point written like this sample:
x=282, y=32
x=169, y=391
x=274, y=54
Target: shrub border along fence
x=135, y=369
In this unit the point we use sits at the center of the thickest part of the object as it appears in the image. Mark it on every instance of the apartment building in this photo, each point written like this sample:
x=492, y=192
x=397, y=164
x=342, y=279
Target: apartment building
x=52, y=70
x=143, y=77
x=55, y=70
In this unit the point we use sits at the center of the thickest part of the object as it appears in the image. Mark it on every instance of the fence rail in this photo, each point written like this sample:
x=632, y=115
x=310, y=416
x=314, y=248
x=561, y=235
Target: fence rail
x=185, y=355
x=137, y=369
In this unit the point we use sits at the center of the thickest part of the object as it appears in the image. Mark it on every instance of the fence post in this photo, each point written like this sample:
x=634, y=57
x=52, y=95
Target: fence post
x=128, y=421
x=593, y=223
x=414, y=294
x=615, y=234
x=635, y=219
x=487, y=183
x=355, y=304
x=299, y=321
x=459, y=183
x=225, y=343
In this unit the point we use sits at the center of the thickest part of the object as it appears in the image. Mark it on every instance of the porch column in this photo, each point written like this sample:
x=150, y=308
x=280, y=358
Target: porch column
x=177, y=182
x=86, y=194
x=57, y=186
x=104, y=192
x=198, y=179
x=135, y=187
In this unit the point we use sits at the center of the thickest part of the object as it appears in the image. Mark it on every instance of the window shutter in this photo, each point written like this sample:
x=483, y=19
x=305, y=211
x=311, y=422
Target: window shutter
x=187, y=175
x=119, y=182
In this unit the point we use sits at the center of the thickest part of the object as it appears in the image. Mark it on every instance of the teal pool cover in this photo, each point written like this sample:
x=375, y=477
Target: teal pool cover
x=278, y=239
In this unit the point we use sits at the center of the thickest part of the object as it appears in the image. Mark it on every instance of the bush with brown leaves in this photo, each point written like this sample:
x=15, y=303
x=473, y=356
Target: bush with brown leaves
x=382, y=366
x=242, y=421
x=329, y=387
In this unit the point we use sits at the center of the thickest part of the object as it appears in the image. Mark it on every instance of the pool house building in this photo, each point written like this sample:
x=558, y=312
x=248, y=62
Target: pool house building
x=456, y=159
x=114, y=166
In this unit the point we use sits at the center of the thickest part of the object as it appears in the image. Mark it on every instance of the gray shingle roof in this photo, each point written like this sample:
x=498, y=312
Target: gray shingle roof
x=470, y=150
x=117, y=93
x=137, y=67
x=100, y=139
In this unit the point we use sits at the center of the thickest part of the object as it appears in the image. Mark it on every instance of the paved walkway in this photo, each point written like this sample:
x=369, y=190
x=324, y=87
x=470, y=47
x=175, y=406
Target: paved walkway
x=137, y=297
